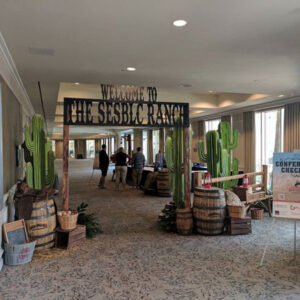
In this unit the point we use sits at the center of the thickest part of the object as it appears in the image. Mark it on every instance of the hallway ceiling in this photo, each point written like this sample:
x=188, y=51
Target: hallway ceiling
x=232, y=46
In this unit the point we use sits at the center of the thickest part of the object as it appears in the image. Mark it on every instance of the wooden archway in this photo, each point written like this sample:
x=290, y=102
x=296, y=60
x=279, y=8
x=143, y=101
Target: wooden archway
x=92, y=112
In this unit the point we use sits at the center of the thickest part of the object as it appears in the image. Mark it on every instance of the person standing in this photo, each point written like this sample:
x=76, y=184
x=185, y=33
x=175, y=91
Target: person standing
x=138, y=163
x=121, y=168
x=104, y=162
x=159, y=160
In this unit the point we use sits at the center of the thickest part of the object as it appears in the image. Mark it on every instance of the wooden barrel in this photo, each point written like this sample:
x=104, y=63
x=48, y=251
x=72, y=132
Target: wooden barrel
x=184, y=221
x=209, y=210
x=163, y=187
x=42, y=223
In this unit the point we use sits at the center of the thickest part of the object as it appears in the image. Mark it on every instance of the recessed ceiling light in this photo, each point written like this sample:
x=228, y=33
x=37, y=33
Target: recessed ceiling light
x=76, y=83
x=184, y=85
x=179, y=23
x=280, y=96
x=130, y=69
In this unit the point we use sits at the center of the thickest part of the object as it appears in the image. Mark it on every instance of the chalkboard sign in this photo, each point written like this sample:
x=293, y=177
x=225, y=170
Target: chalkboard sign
x=15, y=232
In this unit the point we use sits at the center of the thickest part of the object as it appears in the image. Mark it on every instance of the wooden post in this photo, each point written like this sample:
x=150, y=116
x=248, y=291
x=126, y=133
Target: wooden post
x=65, y=189
x=109, y=146
x=129, y=145
x=186, y=170
x=265, y=177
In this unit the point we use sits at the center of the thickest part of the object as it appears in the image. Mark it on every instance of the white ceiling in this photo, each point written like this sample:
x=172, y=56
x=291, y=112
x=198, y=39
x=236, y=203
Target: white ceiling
x=232, y=46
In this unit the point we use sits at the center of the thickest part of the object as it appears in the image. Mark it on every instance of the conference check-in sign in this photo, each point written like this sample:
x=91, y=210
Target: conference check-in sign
x=286, y=185
x=92, y=112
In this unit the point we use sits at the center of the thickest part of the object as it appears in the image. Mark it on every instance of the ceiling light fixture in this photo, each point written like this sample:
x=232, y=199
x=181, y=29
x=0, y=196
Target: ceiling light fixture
x=180, y=23
x=210, y=92
x=280, y=96
x=184, y=85
x=76, y=83
x=131, y=69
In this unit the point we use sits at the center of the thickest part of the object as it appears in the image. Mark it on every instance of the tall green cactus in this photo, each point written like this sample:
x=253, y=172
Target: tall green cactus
x=227, y=146
x=175, y=163
x=219, y=153
x=212, y=158
x=41, y=172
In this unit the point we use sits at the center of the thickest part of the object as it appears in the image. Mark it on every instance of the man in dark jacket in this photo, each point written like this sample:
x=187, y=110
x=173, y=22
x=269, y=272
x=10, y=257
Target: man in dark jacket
x=121, y=168
x=138, y=163
x=104, y=162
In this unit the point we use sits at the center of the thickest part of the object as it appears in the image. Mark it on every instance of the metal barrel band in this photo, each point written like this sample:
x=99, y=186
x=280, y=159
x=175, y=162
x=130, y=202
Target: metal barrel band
x=212, y=191
x=185, y=218
x=45, y=244
x=43, y=207
x=209, y=197
x=210, y=229
x=210, y=207
x=42, y=217
x=210, y=221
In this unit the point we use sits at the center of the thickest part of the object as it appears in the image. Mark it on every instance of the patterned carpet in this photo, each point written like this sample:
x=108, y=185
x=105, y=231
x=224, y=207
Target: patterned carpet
x=132, y=259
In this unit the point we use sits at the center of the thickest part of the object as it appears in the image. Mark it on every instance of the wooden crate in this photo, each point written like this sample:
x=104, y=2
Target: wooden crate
x=248, y=197
x=239, y=226
x=67, y=239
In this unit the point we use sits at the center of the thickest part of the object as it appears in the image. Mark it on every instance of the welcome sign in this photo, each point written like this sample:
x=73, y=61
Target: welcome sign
x=286, y=185
x=133, y=113
x=128, y=93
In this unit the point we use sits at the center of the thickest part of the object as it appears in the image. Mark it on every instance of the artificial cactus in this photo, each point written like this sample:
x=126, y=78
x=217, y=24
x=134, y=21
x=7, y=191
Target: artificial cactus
x=175, y=162
x=29, y=175
x=219, y=152
x=174, y=159
x=225, y=135
x=227, y=145
x=41, y=172
x=212, y=157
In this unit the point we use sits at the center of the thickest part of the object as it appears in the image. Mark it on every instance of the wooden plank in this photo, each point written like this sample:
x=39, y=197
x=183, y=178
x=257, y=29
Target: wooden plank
x=65, y=188
x=240, y=220
x=78, y=229
x=261, y=185
x=220, y=179
x=76, y=239
x=240, y=226
x=186, y=169
x=77, y=235
x=263, y=173
x=75, y=243
x=247, y=222
x=239, y=231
